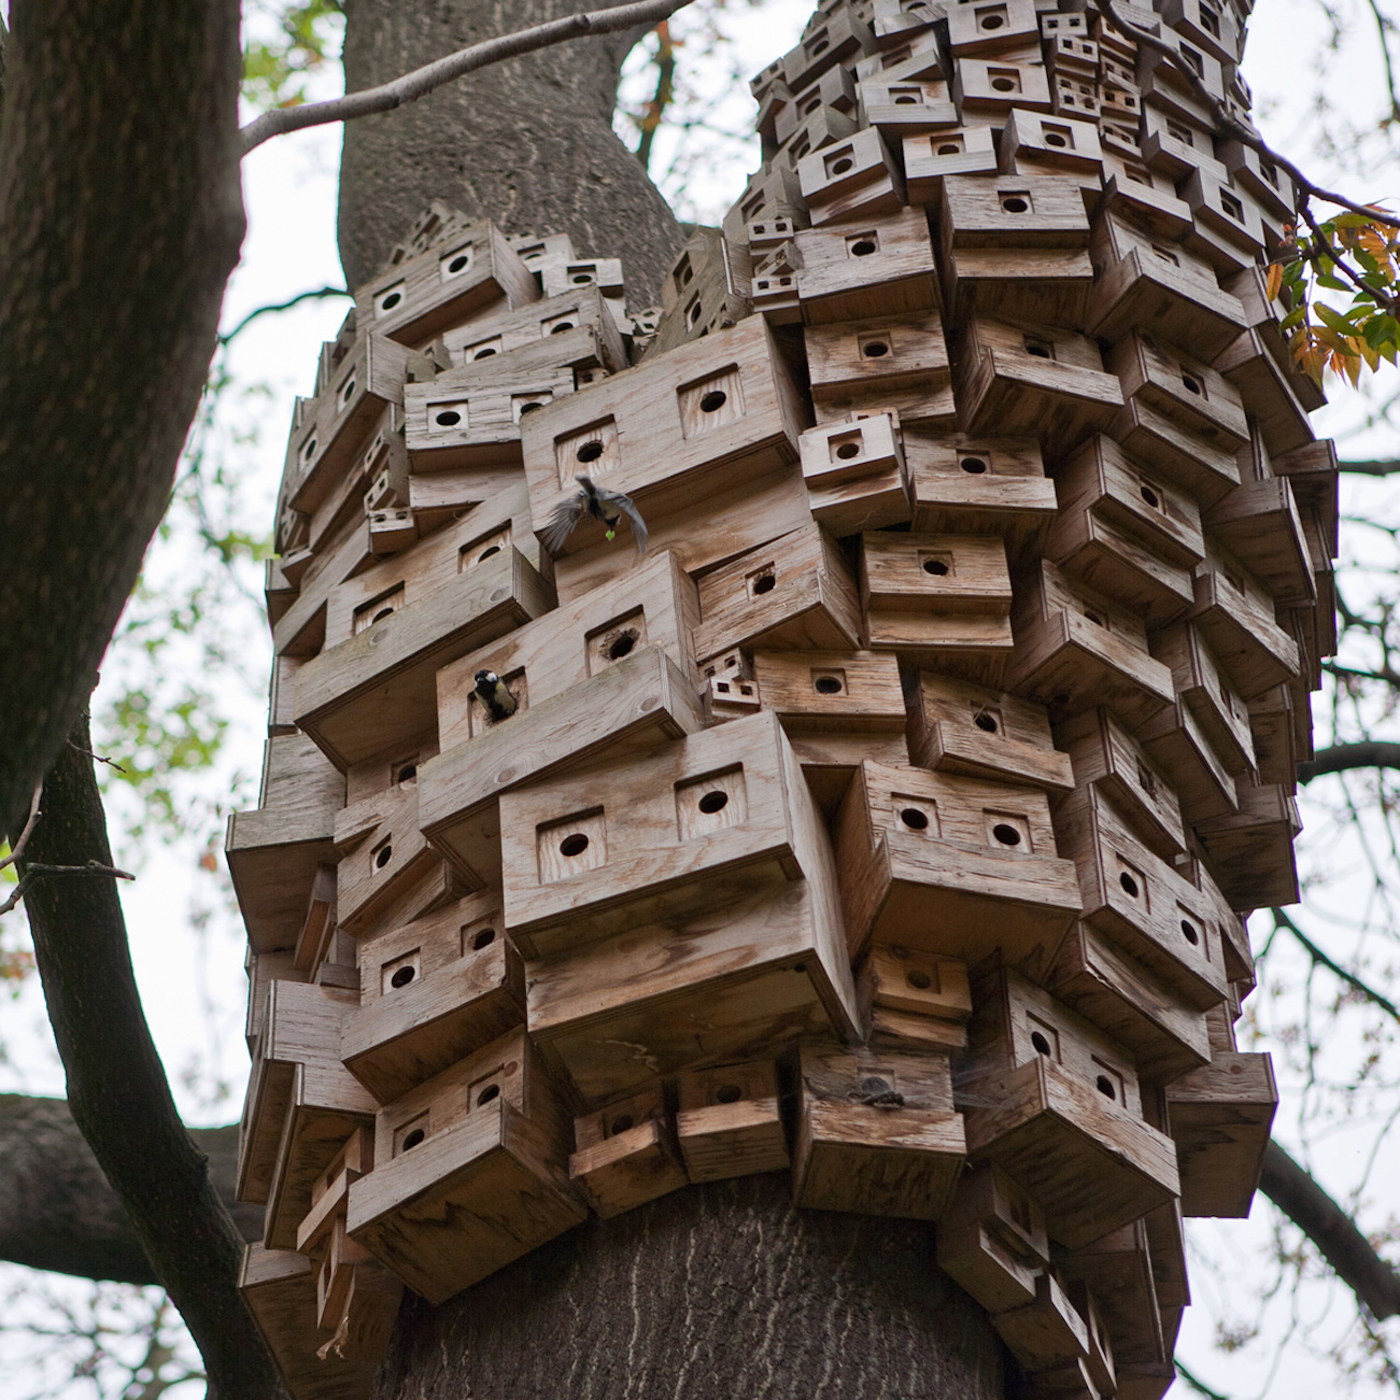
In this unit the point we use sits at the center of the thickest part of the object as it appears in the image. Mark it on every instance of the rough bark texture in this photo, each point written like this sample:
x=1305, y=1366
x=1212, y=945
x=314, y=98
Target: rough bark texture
x=120, y=220
x=117, y=1089
x=711, y=1293
x=528, y=143
x=58, y=1211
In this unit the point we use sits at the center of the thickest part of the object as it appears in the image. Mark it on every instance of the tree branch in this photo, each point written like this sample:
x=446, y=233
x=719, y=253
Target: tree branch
x=1344, y=758
x=117, y=1089
x=318, y=293
x=422, y=81
x=17, y=850
x=1295, y=1192
x=59, y=1212
x=1388, y=468
x=1281, y=920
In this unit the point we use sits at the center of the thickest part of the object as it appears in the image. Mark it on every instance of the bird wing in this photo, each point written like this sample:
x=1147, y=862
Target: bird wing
x=563, y=523
x=639, y=526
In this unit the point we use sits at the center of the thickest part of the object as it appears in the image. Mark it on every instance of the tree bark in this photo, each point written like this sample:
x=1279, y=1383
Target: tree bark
x=528, y=143
x=117, y=1089
x=58, y=1211
x=1345, y=758
x=120, y=220
x=711, y=1293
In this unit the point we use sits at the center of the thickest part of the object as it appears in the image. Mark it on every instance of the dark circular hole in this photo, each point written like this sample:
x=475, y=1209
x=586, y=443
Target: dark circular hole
x=914, y=819
x=1054, y=138
x=622, y=644
x=874, y=1085
x=765, y=584
x=347, y=391
x=1151, y=497
x=875, y=349
x=1093, y=617
x=1193, y=937
x=408, y=772
x=573, y=845
x=728, y=1093
x=488, y=552
x=485, y=351
x=843, y=165
x=820, y=48
x=383, y=857
x=1105, y=1086
x=950, y=148
x=491, y=1091
x=562, y=327
x=391, y=301
x=906, y=101
x=483, y=938
x=712, y=802
x=714, y=401
x=589, y=451
x=936, y=567
x=402, y=977
x=381, y=615
x=1130, y=886
x=992, y=21
x=1039, y=1043
x=1193, y=386
x=975, y=466
x=919, y=979
x=827, y=685
x=411, y=1140
x=621, y=1123
x=582, y=279
x=458, y=263
x=1041, y=352
x=529, y=407
x=985, y=722
x=862, y=247
x=309, y=451
x=1003, y=85
x=448, y=418
x=1060, y=698
x=1006, y=834
x=1015, y=205
x=847, y=450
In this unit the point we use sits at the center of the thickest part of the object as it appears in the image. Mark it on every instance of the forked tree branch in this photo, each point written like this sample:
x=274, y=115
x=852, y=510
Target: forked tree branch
x=422, y=81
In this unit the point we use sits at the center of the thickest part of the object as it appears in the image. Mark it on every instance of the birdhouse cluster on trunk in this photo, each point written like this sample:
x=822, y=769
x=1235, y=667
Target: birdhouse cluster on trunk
x=888, y=815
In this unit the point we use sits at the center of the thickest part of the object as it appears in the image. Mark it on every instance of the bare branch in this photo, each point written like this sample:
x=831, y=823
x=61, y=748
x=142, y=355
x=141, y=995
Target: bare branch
x=1343, y=758
x=17, y=850
x=1199, y=1386
x=318, y=293
x=98, y=758
x=33, y=873
x=1370, y=468
x=422, y=81
x=1296, y=1193
x=1281, y=920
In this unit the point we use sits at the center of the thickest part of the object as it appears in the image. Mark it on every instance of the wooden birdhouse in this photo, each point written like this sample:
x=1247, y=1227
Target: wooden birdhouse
x=483, y=1145
x=876, y=1132
x=915, y=998
x=625, y=1154
x=992, y=1240
x=730, y=1122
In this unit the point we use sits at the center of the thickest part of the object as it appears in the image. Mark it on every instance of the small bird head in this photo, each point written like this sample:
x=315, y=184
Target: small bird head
x=487, y=678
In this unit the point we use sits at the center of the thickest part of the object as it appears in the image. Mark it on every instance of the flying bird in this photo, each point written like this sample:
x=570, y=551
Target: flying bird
x=601, y=504
x=495, y=695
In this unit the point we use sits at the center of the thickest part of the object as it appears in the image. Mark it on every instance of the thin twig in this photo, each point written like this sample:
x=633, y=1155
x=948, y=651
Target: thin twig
x=1281, y=920
x=1199, y=1386
x=97, y=757
x=424, y=80
x=319, y=292
x=17, y=850
x=661, y=99
x=37, y=872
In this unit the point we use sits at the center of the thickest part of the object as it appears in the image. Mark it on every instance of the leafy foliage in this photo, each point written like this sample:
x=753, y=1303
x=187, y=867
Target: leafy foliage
x=1349, y=253
x=284, y=45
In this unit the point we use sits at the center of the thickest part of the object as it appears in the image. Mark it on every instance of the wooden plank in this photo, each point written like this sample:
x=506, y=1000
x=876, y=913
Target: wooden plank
x=992, y=1240
x=626, y=1154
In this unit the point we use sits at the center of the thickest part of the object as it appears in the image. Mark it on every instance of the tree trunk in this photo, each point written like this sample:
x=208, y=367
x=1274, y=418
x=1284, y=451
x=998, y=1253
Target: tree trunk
x=711, y=1293
x=528, y=143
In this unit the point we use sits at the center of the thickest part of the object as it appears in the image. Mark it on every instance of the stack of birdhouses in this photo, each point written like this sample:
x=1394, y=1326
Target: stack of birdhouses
x=889, y=820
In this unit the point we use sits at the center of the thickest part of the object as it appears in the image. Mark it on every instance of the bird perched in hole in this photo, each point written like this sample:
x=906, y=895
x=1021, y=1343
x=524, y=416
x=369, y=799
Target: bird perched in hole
x=601, y=504
x=495, y=695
